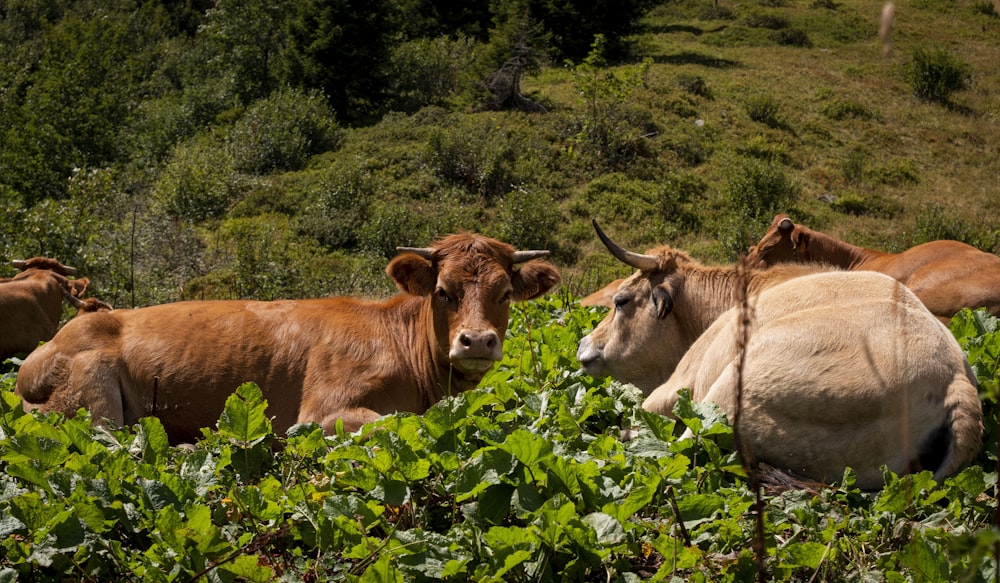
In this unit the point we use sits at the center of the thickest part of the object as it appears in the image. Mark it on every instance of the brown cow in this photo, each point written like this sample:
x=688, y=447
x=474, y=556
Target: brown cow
x=315, y=360
x=86, y=305
x=31, y=303
x=840, y=369
x=603, y=297
x=946, y=275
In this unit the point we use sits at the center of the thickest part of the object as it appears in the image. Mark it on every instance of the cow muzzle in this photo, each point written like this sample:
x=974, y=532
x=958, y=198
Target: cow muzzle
x=475, y=350
x=591, y=357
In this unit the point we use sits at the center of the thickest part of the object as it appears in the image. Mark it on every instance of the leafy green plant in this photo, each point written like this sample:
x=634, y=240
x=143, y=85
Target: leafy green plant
x=934, y=74
x=281, y=131
x=526, y=478
x=605, y=126
x=763, y=109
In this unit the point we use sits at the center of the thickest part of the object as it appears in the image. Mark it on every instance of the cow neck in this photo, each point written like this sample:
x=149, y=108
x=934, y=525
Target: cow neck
x=828, y=249
x=712, y=291
x=441, y=378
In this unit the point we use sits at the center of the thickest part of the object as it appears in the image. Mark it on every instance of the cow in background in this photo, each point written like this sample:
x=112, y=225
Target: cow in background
x=829, y=369
x=31, y=303
x=603, y=297
x=317, y=360
x=947, y=276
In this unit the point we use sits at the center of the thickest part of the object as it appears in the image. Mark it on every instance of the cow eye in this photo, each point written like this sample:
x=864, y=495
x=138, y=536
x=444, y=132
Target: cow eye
x=505, y=298
x=620, y=301
x=443, y=295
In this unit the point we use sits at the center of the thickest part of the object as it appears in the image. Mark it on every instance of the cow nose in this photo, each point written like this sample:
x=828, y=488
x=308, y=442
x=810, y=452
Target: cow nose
x=483, y=344
x=590, y=357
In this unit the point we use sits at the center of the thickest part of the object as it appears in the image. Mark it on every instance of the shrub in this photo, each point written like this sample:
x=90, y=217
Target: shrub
x=263, y=258
x=759, y=188
x=477, y=154
x=792, y=37
x=985, y=7
x=430, y=71
x=529, y=220
x=282, y=131
x=768, y=21
x=934, y=223
x=854, y=203
x=763, y=109
x=934, y=74
x=755, y=190
x=694, y=84
x=339, y=203
x=607, y=128
x=896, y=172
x=197, y=182
x=839, y=110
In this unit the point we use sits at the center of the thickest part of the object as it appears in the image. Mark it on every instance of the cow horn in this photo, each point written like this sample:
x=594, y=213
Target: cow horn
x=636, y=260
x=19, y=263
x=522, y=256
x=425, y=252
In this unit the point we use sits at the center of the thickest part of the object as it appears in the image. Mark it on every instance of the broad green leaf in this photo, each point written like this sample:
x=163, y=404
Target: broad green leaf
x=528, y=448
x=698, y=508
x=927, y=561
x=608, y=529
x=151, y=443
x=383, y=571
x=803, y=554
x=243, y=419
x=249, y=568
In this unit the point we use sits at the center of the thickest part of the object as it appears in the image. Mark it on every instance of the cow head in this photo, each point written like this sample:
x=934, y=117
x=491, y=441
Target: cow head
x=639, y=341
x=469, y=281
x=43, y=263
x=783, y=242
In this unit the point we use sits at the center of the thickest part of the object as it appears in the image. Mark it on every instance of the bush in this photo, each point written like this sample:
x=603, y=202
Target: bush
x=431, y=71
x=792, y=37
x=478, y=154
x=282, y=131
x=839, y=110
x=934, y=74
x=857, y=204
x=529, y=220
x=339, y=203
x=197, y=182
x=760, y=188
x=763, y=109
x=694, y=84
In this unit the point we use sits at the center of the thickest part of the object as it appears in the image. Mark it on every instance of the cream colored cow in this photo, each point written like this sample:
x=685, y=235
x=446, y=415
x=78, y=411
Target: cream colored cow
x=840, y=369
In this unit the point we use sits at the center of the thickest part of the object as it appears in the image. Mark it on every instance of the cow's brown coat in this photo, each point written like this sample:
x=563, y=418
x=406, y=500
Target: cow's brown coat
x=947, y=276
x=318, y=360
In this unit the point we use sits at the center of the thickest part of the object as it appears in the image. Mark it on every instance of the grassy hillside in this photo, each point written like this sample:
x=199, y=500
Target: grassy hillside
x=726, y=114
x=868, y=160
x=828, y=127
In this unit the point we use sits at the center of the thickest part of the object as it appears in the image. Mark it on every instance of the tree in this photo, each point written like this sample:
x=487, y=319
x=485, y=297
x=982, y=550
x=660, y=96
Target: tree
x=65, y=114
x=343, y=48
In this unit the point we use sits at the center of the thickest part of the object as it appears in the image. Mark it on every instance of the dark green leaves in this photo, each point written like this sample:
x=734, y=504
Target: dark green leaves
x=526, y=478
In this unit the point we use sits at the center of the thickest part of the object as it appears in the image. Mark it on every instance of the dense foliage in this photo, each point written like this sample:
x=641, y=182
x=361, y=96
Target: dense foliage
x=223, y=148
x=523, y=479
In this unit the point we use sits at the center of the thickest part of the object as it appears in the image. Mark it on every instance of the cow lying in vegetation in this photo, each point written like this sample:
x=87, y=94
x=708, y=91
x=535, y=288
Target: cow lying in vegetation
x=31, y=303
x=946, y=275
x=318, y=360
x=841, y=369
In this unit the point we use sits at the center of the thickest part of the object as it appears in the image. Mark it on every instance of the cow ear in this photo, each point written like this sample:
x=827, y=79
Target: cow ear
x=800, y=241
x=413, y=274
x=533, y=280
x=663, y=302
x=78, y=286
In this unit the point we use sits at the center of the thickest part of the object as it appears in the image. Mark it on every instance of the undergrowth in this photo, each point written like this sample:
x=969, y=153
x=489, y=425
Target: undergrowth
x=524, y=479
